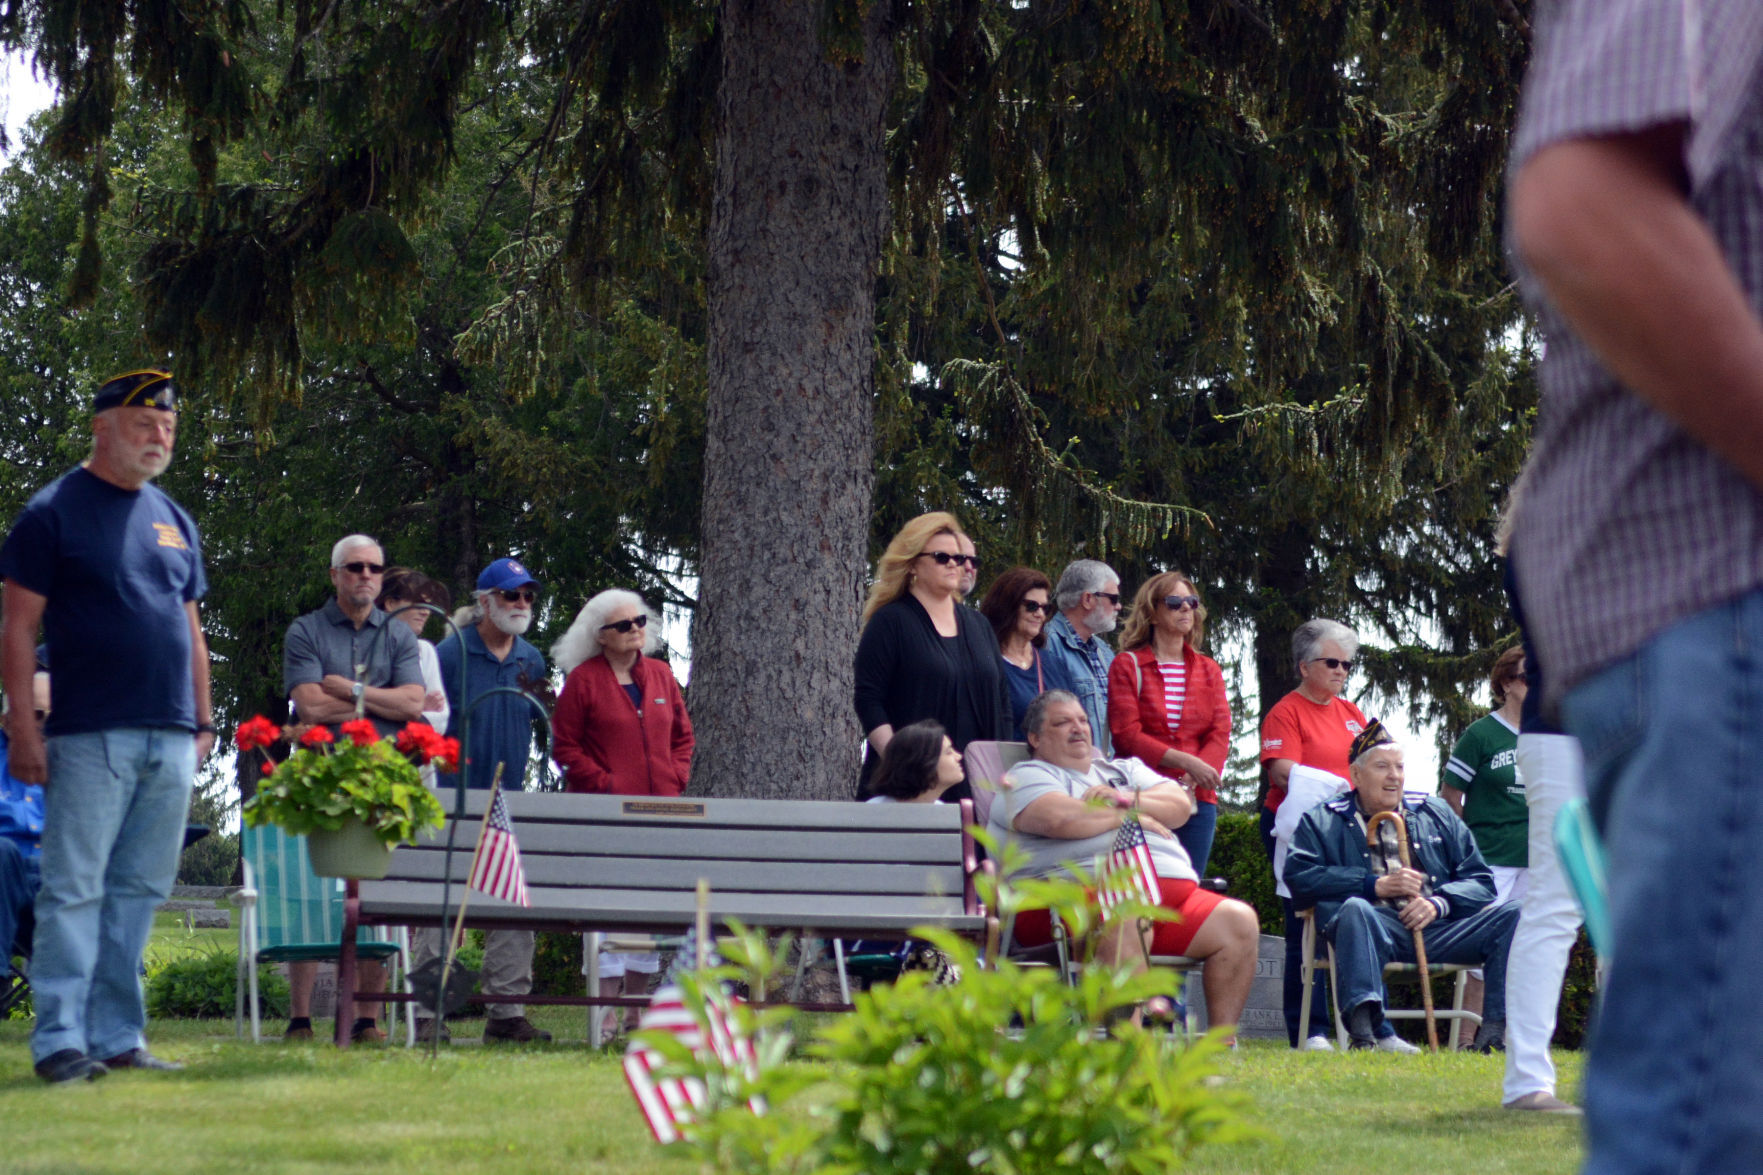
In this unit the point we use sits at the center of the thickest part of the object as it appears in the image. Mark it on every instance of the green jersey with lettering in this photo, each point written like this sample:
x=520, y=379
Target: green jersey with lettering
x=1484, y=766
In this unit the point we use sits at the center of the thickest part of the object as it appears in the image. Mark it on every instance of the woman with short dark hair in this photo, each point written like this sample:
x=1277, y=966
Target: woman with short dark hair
x=1019, y=603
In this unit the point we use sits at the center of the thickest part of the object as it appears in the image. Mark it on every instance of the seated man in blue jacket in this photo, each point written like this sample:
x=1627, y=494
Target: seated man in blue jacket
x=21, y=835
x=1368, y=905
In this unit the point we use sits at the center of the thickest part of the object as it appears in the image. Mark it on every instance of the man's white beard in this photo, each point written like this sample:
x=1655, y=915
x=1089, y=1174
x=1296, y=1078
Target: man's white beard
x=510, y=623
x=1102, y=619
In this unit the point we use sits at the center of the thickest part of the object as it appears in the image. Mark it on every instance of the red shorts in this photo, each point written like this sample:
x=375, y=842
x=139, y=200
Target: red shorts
x=1035, y=927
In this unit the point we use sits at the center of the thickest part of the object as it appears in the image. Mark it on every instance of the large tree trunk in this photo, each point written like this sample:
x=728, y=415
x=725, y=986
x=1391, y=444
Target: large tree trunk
x=795, y=234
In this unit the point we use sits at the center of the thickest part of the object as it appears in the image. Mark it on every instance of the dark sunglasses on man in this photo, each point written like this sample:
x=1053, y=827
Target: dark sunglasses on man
x=513, y=594
x=360, y=568
x=627, y=625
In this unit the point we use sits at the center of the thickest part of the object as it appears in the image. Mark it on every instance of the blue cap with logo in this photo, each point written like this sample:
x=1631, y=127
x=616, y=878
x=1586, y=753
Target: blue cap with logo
x=504, y=574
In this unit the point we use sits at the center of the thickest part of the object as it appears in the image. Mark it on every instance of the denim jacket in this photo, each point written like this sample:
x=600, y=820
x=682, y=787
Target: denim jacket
x=1065, y=650
x=1329, y=861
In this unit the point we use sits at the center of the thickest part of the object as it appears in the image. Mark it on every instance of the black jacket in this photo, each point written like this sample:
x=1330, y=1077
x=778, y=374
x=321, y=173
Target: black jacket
x=907, y=672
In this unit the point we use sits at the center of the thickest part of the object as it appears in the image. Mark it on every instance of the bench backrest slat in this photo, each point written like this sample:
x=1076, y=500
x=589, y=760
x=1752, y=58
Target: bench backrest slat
x=683, y=873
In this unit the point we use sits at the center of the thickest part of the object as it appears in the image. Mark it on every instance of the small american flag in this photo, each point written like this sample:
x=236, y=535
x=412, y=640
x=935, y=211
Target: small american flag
x=668, y=1103
x=1127, y=874
x=497, y=871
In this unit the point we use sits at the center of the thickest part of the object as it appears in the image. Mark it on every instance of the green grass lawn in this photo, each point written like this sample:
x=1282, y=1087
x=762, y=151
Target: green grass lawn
x=277, y=1108
x=310, y=1108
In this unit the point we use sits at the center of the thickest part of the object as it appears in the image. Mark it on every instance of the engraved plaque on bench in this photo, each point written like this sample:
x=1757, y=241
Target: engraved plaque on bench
x=663, y=808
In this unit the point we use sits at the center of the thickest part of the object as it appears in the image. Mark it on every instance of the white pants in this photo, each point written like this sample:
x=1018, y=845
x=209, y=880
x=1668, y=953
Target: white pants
x=1510, y=882
x=1553, y=772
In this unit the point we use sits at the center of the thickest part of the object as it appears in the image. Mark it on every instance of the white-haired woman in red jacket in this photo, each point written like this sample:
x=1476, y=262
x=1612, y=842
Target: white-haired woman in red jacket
x=620, y=728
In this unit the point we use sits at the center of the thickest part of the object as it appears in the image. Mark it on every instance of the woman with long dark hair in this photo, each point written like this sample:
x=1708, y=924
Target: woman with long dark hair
x=919, y=765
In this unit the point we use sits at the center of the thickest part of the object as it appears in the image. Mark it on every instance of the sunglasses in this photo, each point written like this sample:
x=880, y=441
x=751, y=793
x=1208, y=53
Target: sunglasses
x=1334, y=663
x=627, y=625
x=1111, y=597
x=359, y=568
x=1036, y=607
x=944, y=558
x=1177, y=603
x=513, y=594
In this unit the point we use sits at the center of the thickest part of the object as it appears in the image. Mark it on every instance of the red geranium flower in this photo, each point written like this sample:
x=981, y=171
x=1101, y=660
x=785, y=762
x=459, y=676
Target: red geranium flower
x=419, y=739
x=446, y=756
x=256, y=732
x=318, y=736
x=268, y=767
x=361, y=731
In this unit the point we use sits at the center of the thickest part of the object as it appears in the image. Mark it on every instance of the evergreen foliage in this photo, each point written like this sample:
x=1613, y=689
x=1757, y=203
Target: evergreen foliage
x=1212, y=283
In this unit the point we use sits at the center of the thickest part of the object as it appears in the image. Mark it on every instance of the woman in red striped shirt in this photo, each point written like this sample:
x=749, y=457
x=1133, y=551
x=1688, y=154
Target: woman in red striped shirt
x=1167, y=704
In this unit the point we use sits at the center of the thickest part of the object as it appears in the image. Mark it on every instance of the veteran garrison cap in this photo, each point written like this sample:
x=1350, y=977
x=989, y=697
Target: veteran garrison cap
x=148, y=388
x=1375, y=735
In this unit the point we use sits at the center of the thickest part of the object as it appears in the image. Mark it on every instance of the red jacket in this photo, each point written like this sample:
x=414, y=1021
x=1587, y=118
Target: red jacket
x=1140, y=726
x=604, y=745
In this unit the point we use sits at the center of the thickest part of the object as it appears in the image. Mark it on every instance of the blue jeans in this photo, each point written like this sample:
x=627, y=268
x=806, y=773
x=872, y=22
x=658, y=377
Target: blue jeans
x=1673, y=738
x=1196, y=835
x=113, y=827
x=1366, y=936
x=18, y=889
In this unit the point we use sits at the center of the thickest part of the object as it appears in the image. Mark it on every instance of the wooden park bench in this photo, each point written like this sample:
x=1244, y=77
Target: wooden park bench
x=631, y=864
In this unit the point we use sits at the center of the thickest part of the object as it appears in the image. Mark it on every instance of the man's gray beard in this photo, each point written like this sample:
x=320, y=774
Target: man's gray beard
x=509, y=624
x=1103, y=619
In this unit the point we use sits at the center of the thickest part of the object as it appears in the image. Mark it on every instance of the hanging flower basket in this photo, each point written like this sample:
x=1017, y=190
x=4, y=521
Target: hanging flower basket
x=350, y=851
x=354, y=799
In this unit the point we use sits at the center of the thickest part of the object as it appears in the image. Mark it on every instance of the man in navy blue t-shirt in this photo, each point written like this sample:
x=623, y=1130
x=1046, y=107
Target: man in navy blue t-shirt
x=110, y=568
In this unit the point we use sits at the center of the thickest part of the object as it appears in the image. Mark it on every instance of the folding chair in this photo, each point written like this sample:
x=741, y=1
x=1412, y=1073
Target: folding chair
x=288, y=914
x=1312, y=964
x=15, y=988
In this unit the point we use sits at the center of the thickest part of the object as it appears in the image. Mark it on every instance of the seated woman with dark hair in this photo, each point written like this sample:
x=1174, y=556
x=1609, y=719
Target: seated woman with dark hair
x=919, y=765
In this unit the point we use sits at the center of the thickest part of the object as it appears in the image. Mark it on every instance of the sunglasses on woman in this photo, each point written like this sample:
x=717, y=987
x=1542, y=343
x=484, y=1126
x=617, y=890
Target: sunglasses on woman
x=1177, y=603
x=626, y=625
x=1036, y=607
x=944, y=558
x=1334, y=663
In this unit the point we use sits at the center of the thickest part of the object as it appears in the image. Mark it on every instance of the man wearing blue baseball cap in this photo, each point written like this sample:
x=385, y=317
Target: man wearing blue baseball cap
x=495, y=656
x=111, y=569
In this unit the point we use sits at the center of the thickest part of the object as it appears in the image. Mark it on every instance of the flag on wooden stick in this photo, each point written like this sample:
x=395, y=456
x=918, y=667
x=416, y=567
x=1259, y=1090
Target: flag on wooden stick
x=496, y=869
x=669, y=1103
x=1128, y=874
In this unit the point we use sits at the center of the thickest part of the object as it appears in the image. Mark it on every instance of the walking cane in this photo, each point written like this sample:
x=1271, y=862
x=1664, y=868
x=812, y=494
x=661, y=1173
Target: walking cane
x=1432, y=1028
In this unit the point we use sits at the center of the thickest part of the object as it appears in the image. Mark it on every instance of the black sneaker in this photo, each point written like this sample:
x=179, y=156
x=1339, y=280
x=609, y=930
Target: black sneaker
x=513, y=1030
x=59, y=1068
x=1490, y=1037
x=425, y=1030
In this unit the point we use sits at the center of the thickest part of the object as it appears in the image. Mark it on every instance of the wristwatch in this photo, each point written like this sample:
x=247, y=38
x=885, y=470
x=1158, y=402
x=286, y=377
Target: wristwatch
x=356, y=691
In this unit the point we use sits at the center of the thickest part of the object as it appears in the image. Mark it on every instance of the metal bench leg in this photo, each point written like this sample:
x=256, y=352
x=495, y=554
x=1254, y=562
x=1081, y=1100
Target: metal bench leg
x=844, y=982
x=591, y=957
x=804, y=946
x=346, y=963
